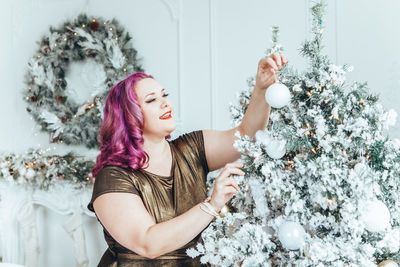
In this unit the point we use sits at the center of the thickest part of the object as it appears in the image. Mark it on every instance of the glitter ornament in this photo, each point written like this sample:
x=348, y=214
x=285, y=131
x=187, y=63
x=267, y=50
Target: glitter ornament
x=277, y=95
x=291, y=235
x=376, y=216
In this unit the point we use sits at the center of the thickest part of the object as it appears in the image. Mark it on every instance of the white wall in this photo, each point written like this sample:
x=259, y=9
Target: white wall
x=203, y=52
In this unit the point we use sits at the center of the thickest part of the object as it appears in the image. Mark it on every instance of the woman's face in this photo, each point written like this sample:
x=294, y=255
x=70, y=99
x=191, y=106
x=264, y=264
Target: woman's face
x=156, y=108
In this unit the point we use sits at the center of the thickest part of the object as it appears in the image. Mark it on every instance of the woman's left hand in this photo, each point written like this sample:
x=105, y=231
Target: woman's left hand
x=267, y=67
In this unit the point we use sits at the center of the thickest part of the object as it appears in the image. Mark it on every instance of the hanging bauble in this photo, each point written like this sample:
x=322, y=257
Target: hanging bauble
x=224, y=211
x=276, y=149
x=277, y=95
x=291, y=235
x=376, y=216
x=388, y=263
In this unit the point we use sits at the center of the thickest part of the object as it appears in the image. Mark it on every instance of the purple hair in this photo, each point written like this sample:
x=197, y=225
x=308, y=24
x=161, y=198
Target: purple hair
x=121, y=133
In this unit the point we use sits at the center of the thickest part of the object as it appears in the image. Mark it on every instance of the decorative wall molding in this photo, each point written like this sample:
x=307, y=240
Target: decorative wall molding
x=180, y=64
x=212, y=59
x=307, y=4
x=336, y=33
x=173, y=7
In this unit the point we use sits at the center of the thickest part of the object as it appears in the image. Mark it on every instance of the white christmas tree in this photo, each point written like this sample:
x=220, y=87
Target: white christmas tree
x=322, y=183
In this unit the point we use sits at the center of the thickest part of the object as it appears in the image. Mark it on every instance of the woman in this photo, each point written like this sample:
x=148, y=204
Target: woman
x=149, y=193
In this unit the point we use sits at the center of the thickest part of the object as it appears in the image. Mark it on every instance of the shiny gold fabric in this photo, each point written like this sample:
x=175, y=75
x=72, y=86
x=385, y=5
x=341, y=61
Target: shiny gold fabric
x=164, y=198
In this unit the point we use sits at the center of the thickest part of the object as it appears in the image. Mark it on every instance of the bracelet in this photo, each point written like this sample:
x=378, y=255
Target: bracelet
x=206, y=208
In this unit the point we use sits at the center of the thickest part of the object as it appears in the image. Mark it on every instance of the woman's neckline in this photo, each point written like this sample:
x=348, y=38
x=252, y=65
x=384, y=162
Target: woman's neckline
x=172, y=165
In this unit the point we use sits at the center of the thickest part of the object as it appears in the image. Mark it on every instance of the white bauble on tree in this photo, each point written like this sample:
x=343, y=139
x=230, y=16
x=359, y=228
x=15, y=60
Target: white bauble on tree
x=375, y=215
x=276, y=149
x=277, y=95
x=263, y=137
x=291, y=235
x=388, y=263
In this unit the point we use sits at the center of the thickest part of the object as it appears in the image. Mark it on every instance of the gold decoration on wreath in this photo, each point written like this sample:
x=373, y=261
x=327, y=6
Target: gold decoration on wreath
x=388, y=263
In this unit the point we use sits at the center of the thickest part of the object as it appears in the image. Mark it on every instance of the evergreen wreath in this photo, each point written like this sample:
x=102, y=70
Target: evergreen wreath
x=107, y=43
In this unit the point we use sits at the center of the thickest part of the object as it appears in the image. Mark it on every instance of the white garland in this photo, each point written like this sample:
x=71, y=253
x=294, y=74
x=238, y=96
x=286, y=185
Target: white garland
x=36, y=170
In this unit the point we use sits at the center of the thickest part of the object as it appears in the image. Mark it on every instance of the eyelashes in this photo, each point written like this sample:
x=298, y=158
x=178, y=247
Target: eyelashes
x=153, y=99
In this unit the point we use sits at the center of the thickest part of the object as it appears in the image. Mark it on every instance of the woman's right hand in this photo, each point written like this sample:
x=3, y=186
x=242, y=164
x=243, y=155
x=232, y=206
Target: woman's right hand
x=225, y=186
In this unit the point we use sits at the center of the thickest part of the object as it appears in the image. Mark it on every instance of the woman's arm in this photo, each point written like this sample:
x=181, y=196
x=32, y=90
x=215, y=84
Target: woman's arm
x=127, y=220
x=219, y=144
x=125, y=217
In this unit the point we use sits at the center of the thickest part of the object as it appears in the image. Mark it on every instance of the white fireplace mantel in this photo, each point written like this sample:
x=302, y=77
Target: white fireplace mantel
x=18, y=229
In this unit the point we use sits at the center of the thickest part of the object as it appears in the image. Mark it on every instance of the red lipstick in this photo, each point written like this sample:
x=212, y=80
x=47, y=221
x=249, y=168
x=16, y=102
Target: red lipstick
x=167, y=115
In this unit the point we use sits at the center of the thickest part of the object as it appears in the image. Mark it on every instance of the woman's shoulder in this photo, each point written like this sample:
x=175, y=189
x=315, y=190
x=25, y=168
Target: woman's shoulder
x=113, y=179
x=191, y=139
x=191, y=145
x=114, y=168
x=115, y=173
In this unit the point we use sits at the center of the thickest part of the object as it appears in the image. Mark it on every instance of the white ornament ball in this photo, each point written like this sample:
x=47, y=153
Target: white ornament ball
x=388, y=263
x=30, y=174
x=276, y=149
x=376, y=216
x=277, y=95
x=291, y=235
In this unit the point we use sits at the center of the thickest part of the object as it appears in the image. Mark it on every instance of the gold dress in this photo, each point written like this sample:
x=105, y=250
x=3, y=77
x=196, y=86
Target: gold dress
x=164, y=198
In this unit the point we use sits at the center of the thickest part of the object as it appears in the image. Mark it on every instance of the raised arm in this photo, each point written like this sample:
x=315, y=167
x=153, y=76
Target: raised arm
x=219, y=144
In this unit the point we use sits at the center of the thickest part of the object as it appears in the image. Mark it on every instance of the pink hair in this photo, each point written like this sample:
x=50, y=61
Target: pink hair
x=121, y=134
